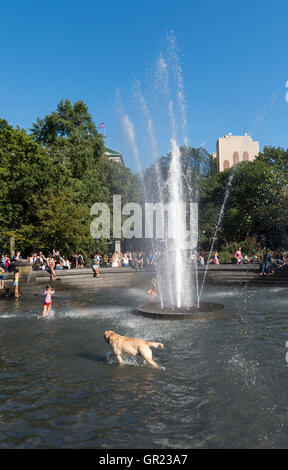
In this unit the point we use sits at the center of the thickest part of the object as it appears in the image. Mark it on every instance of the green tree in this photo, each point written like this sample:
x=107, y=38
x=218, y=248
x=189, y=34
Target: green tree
x=71, y=137
x=275, y=157
x=64, y=223
x=256, y=206
x=66, y=121
x=25, y=172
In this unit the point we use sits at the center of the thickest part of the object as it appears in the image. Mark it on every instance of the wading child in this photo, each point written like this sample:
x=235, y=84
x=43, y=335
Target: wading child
x=153, y=291
x=1, y=278
x=16, y=283
x=47, y=300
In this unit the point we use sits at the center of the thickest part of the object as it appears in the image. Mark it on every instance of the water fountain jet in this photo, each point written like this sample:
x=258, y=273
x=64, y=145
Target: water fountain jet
x=176, y=258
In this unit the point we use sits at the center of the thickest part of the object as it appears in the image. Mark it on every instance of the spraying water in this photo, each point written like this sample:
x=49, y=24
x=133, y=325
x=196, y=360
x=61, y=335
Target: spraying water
x=176, y=274
x=177, y=282
x=227, y=192
x=178, y=218
x=162, y=78
x=176, y=67
x=129, y=129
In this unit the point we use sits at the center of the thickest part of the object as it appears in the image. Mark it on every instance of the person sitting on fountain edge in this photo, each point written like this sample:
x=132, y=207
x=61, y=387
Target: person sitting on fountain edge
x=139, y=262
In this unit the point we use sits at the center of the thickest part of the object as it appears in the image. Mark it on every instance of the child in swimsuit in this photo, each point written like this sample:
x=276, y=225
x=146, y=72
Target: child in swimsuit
x=47, y=300
x=16, y=283
x=153, y=291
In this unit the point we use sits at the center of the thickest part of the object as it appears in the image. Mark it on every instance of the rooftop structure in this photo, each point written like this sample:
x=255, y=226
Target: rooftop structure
x=114, y=155
x=232, y=149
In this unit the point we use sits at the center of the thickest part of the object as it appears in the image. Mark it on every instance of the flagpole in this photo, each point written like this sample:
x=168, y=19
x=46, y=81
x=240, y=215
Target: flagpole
x=102, y=126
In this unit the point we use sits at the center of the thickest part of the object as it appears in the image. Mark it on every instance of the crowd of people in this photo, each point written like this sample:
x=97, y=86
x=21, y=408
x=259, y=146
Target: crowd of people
x=137, y=260
x=269, y=262
x=56, y=261
x=53, y=262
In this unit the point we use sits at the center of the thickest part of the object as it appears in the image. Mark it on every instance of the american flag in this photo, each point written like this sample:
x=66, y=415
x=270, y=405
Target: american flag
x=102, y=124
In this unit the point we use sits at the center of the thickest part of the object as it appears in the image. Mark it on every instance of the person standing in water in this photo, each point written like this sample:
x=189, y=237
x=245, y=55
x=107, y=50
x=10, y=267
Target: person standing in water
x=1, y=278
x=47, y=300
x=152, y=292
x=16, y=283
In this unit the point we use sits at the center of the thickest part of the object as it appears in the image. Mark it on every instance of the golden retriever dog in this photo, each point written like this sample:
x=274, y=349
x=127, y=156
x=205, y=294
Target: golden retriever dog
x=123, y=346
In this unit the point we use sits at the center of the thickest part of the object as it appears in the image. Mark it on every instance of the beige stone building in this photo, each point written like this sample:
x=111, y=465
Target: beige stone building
x=232, y=149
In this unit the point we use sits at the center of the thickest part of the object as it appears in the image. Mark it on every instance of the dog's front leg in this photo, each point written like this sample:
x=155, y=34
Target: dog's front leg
x=119, y=359
x=153, y=363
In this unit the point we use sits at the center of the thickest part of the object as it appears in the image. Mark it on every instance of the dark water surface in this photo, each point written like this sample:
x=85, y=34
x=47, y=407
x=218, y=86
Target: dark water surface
x=222, y=383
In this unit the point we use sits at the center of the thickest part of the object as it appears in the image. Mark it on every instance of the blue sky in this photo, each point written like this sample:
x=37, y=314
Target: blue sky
x=231, y=56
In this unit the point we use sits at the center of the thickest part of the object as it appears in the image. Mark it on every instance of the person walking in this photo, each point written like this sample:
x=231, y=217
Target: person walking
x=95, y=265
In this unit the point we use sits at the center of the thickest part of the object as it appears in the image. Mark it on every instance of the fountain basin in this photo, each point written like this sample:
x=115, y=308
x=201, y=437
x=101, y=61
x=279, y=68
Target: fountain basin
x=206, y=311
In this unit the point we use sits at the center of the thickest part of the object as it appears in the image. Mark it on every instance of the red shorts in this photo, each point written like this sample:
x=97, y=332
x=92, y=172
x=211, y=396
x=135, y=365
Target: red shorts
x=47, y=304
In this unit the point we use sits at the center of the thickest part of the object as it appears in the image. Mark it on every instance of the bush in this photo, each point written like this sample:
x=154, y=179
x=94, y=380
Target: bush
x=249, y=247
x=225, y=257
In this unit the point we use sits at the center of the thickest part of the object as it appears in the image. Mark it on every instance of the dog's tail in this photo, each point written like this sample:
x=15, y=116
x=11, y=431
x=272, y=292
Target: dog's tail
x=151, y=344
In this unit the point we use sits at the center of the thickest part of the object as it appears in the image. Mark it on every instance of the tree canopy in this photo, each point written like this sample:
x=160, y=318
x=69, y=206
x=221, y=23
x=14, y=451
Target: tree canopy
x=51, y=177
x=257, y=202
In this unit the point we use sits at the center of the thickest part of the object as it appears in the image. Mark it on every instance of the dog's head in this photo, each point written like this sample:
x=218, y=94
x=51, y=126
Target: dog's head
x=108, y=335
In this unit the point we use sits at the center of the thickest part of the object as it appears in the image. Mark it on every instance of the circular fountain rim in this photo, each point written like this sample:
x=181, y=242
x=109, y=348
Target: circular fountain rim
x=206, y=311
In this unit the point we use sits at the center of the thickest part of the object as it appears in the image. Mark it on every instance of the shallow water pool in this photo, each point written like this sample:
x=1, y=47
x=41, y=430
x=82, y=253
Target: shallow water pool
x=222, y=383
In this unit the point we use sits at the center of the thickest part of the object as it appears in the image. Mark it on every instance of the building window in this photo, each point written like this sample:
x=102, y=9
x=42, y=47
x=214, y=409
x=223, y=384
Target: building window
x=226, y=164
x=245, y=156
x=235, y=158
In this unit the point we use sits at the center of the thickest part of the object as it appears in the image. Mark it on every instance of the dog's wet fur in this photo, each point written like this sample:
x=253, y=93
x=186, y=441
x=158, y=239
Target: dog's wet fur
x=124, y=346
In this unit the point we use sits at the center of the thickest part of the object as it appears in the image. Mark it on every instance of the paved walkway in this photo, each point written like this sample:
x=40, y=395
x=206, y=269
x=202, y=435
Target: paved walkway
x=223, y=274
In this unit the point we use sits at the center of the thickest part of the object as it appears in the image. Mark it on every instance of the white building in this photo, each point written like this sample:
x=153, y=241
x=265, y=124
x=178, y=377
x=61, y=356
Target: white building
x=114, y=155
x=232, y=149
